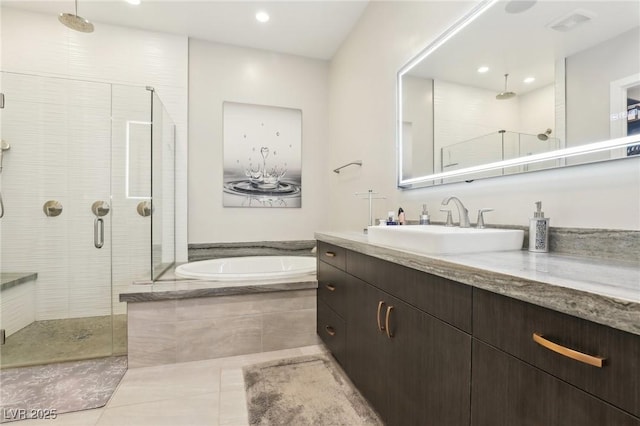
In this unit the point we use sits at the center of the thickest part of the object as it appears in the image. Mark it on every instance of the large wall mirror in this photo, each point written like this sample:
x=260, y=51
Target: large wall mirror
x=518, y=86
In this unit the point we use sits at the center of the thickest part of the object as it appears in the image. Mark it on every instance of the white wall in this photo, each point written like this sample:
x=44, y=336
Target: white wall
x=55, y=157
x=219, y=73
x=362, y=125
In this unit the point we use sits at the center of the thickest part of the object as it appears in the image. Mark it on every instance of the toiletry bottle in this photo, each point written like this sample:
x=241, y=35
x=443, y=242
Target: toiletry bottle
x=424, y=216
x=401, y=220
x=539, y=231
x=391, y=220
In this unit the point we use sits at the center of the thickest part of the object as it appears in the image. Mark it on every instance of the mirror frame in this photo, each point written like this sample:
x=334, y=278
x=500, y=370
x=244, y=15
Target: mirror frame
x=437, y=178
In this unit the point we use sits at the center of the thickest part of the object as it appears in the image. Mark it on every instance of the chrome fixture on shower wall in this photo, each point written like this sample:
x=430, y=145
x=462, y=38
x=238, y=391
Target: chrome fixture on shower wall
x=4, y=146
x=506, y=94
x=75, y=22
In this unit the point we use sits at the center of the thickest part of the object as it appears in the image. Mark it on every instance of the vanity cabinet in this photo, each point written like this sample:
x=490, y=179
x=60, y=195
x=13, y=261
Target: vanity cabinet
x=412, y=366
x=332, y=299
x=507, y=391
x=426, y=350
x=562, y=360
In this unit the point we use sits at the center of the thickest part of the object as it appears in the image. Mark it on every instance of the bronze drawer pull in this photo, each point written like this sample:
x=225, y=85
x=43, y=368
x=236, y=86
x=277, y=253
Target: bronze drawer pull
x=330, y=254
x=596, y=361
x=330, y=330
x=380, y=326
x=330, y=287
x=387, y=320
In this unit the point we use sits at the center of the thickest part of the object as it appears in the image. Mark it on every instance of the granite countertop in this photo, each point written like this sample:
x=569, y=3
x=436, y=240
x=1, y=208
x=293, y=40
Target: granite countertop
x=603, y=291
x=173, y=289
x=12, y=279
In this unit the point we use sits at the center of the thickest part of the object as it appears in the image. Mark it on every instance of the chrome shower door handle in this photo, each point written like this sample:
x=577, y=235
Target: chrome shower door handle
x=98, y=232
x=99, y=209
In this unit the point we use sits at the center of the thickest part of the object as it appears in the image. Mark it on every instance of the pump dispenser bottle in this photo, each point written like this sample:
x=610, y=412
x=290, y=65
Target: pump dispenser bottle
x=424, y=216
x=539, y=231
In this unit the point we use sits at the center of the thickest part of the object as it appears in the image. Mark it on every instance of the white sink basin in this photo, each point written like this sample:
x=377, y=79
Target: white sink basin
x=433, y=239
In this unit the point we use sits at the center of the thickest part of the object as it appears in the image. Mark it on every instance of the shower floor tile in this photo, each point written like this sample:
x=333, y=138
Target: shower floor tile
x=44, y=342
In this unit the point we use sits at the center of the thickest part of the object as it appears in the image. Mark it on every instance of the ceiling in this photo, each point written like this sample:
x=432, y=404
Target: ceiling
x=313, y=29
x=523, y=44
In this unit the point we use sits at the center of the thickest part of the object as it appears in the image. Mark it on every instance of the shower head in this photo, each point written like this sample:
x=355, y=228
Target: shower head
x=506, y=94
x=76, y=22
x=544, y=136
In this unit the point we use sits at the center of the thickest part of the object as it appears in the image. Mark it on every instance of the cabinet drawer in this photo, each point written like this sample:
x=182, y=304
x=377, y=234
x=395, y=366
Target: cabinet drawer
x=332, y=330
x=444, y=299
x=333, y=255
x=332, y=286
x=510, y=324
x=507, y=391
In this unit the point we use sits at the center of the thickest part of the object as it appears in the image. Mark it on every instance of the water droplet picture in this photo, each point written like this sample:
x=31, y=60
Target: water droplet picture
x=272, y=137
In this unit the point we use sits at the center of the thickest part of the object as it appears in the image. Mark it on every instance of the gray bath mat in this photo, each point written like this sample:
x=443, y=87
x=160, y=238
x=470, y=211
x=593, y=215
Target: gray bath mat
x=44, y=391
x=308, y=390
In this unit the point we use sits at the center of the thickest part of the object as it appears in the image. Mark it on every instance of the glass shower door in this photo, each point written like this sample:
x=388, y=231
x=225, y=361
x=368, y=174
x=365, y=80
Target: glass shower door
x=55, y=235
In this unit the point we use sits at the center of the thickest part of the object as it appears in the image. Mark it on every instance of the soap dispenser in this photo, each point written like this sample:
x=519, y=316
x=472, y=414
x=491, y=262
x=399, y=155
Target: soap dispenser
x=424, y=216
x=539, y=231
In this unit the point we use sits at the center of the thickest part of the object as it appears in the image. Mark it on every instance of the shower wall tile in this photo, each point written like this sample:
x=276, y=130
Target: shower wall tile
x=68, y=144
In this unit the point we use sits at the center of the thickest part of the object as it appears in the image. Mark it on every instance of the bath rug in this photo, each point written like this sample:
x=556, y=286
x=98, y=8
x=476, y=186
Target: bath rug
x=45, y=391
x=309, y=390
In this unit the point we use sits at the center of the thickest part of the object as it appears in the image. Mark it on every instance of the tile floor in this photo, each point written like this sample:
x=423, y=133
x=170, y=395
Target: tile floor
x=199, y=393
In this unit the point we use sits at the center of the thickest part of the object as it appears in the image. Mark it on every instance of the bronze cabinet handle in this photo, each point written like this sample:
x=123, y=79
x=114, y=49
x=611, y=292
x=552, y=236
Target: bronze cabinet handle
x=330, y=254
x=380, y=326
x=387, y=320
x=330, y=330
x=330, y=287
x=596, y=361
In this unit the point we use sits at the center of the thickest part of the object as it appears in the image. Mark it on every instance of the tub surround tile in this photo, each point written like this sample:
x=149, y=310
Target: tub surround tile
x=289, y=329
x=218, y=338
x=182, y=330
x=603, y=291
x=257, y=248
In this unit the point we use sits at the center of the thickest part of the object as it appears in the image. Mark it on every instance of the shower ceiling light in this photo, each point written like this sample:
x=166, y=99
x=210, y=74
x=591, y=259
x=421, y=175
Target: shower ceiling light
x=483, y=69
x=133, y=2
x=529, y=80
x=262, y=16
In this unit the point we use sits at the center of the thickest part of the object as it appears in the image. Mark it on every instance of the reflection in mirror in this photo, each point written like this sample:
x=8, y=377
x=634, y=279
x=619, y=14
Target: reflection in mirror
x=512, y=84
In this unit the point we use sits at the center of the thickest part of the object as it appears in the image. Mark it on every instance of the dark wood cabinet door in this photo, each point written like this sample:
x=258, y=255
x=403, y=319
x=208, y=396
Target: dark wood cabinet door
x=417, y=370
x=507, y=392
x=365, y=347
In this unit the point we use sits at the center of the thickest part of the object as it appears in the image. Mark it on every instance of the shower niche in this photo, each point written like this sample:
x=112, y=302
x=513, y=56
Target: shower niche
x=96, y=150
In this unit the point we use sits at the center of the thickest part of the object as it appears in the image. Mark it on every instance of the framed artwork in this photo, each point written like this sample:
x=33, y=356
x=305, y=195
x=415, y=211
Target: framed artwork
x=262, y=152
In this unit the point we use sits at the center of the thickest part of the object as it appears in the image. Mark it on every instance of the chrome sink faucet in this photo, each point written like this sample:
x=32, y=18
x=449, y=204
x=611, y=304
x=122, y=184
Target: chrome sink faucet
x=463, y=213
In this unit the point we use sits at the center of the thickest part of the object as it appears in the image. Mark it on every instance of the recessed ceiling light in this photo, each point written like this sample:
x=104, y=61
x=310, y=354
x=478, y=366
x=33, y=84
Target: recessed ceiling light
x=519, y=6
x=134, y=2
x=262, y=16
x=483, y=69
x=529, y=80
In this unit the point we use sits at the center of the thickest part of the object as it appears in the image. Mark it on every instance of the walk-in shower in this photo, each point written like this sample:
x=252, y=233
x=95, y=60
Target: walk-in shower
x=84, y=156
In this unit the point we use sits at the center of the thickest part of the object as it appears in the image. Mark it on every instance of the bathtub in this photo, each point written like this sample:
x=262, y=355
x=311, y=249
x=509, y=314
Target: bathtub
x=249, y=268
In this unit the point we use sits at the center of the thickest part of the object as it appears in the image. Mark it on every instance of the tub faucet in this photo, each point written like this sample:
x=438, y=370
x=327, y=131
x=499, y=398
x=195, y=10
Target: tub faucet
x=463, y=213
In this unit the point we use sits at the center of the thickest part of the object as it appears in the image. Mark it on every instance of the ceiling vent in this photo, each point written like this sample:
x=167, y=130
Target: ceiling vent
x=571, y=21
